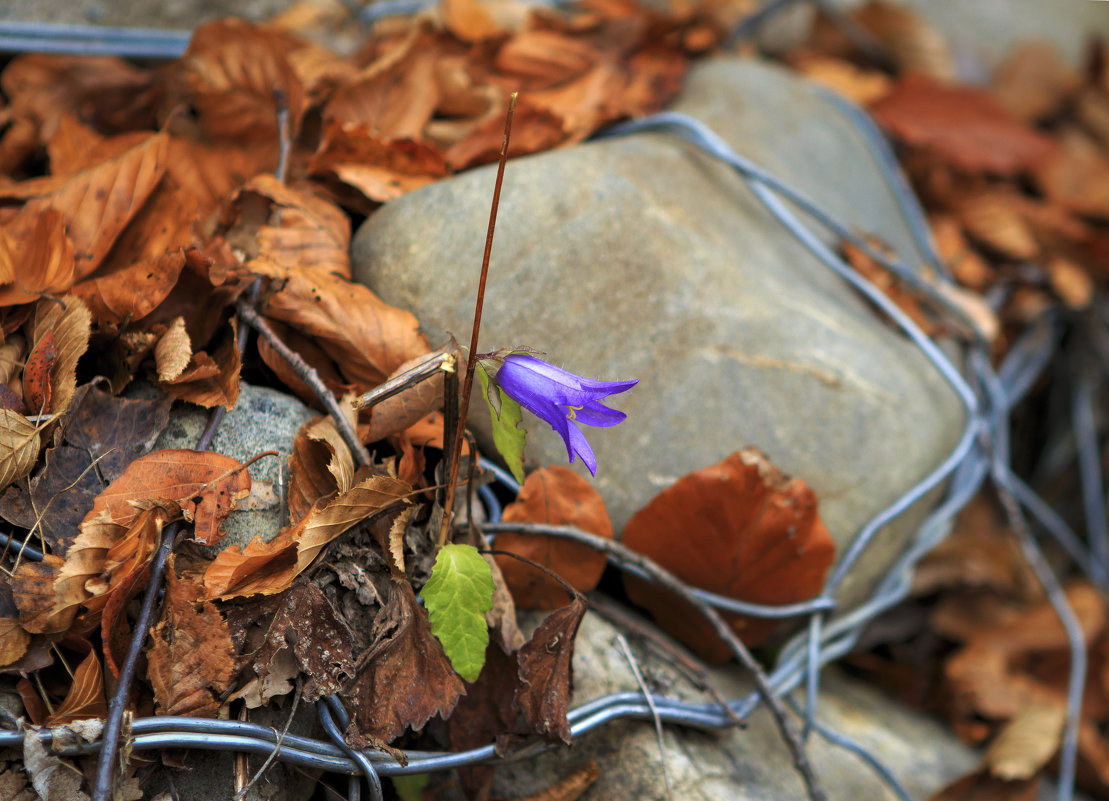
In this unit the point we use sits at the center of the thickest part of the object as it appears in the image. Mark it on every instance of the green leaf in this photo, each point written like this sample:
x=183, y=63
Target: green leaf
x=457, y=596
x=507, y=415
x=410, y=787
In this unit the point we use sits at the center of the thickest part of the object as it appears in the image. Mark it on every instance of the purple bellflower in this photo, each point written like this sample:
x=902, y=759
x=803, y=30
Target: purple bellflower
x=560, y=398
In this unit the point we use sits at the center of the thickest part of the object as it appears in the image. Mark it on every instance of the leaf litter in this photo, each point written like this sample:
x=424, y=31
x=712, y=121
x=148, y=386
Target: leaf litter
x=130, y=228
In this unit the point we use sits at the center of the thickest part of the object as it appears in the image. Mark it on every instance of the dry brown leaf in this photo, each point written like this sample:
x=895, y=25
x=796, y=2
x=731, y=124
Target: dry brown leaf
x=1034, y=82
x=963, y=126
x=107, y=92
x=546, y=672
x=13, y=640
x=267, y=567
x=85, y=698
x=319, y=466
x=192, y=659
x=540, y=59
x=991, y=218
x=36, y=375
x=1027, y=742
x=11, y=357
x=396, y=94
x=97, y=203
x=36, y=257
x=858, y=85
x=394, y=543
x=211, y=380
x=68, y=321
x=1076, y=177
x=968, y=266
x=381, y=169
x=758, y=537
x=402, y=411
x=469, y=21
x=558, y=496
x=283, y=228
x=911, y=41
x=1071, y=283
x=173, y=351
x=404, y=679
x=367, y=338
x=230, y=74
x=19, y=446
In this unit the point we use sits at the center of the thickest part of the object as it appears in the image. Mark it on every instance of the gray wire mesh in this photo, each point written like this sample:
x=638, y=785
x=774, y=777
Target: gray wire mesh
x=982, y=453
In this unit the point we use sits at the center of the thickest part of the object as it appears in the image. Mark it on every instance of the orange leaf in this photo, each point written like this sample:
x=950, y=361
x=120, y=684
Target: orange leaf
x=366, y=337
x=97, y=203
x=210, y=380
x=966, y=127
x=230, y=73
x=757, y=537
x=406, y=408
x=469, y=21
x=36, y=257
x=192, y=658
x=320, y=465
x=267, y=567
x=559, y=496
x=36, y=375
x=85, y=698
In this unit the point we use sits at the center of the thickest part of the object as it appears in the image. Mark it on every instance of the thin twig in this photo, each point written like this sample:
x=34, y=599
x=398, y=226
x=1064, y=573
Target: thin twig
x=669, y=581
x=105, y=765
x=239, y=796
x=471, y=359
x=443, y=360
x=308, y=374
x=654, y=710
x=665, y=646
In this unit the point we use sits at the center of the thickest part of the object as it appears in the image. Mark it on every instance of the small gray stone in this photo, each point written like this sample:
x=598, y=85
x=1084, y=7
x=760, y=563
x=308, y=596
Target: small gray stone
x=262, y=420
x=641, y=257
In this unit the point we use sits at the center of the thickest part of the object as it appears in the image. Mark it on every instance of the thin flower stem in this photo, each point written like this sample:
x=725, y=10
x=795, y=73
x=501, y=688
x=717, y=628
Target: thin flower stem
x=468, y=380
x=668, y=581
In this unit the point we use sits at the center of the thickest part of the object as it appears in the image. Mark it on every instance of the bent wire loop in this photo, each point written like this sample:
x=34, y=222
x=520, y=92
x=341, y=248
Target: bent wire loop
x=987, y=395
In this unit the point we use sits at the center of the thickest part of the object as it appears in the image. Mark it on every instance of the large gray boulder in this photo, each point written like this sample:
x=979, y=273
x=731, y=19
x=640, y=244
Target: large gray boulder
x=641, y=257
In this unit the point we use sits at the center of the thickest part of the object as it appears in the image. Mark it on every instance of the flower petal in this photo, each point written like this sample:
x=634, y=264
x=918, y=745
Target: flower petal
x=596, y=413
x=583, y=449
x=518, y=379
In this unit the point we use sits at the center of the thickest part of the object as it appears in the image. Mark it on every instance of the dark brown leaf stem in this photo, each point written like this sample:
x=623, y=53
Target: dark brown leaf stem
x=471, y=360
x=669, y=581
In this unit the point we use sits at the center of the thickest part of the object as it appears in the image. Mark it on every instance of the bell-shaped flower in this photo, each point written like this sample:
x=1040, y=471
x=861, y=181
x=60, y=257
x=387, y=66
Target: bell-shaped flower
x=563, y=400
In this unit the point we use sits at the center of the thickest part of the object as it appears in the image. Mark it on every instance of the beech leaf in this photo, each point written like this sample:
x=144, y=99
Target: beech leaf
x=507, y=415
x=457, y=596
x=19, y=446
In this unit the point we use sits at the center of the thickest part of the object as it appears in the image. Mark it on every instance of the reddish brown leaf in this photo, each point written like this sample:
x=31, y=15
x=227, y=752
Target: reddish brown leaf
x=559, y=496
x=191, y=661
x=68, y=322
x=964, y=126
x=405, y=678
x=36, y=375
x=211, y=380
x=758, y=538
x=546, y=672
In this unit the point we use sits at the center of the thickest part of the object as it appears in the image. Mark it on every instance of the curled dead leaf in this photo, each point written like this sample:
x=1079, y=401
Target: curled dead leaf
x=19, y=446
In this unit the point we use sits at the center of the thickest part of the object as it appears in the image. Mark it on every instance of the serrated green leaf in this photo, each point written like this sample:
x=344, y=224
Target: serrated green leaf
x=410, y=787
x=457, y=596
x=508, y=436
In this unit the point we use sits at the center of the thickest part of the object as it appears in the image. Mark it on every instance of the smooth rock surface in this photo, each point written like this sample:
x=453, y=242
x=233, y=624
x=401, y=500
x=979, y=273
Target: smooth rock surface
x=751, y=764
x=262, y=420
x=641, y=257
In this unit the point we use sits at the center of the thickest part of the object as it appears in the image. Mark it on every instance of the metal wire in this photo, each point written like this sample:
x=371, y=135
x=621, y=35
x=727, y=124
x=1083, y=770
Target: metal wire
x=981, y=453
